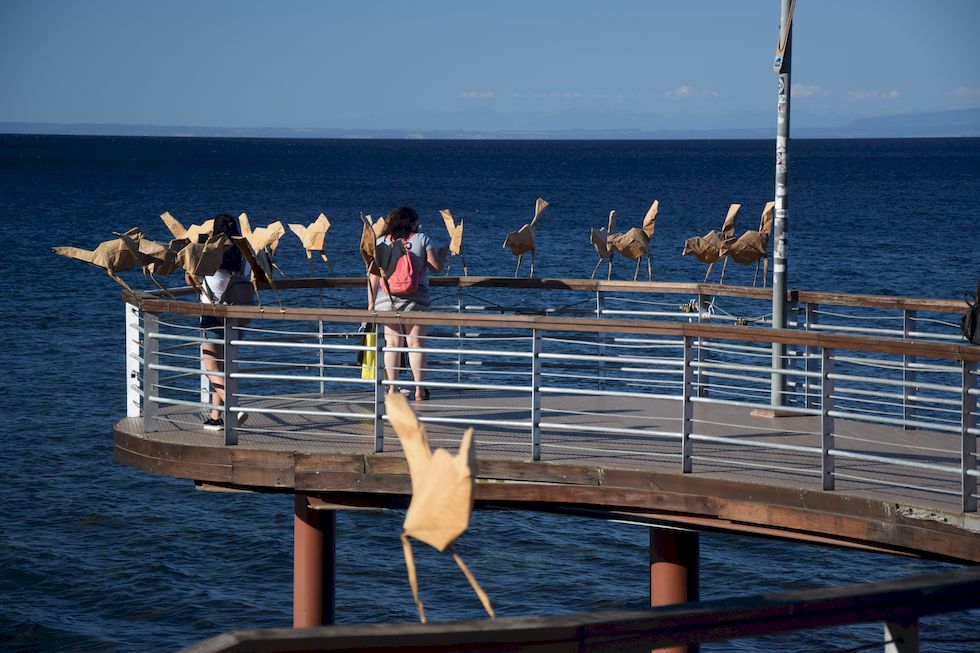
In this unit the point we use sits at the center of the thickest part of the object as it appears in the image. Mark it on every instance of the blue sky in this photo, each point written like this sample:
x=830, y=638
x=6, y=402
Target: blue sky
x=387, y=64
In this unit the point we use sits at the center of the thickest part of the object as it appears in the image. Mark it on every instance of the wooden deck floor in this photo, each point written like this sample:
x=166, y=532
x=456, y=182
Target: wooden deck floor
x=727, y=470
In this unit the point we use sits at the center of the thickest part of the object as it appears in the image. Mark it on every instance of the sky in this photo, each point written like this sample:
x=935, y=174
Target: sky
x=508, y=63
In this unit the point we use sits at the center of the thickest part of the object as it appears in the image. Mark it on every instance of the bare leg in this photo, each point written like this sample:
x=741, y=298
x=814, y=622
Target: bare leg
x=393, y=338
x=213, y=356
x=416, y=359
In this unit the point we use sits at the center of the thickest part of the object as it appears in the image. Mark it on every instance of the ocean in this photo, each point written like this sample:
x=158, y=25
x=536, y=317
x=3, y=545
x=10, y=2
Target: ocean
x=95, y=556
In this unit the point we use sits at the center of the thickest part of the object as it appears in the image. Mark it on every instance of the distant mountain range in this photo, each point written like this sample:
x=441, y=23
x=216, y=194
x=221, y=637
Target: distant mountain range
x=485, y=124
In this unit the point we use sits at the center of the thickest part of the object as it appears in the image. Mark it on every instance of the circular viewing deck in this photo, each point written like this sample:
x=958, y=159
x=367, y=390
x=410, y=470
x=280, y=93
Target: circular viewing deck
x=617, y=415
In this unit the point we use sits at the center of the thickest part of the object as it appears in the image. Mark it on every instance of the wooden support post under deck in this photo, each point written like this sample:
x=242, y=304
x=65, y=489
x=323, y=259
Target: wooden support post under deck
x=314, y=565
x=674, y=562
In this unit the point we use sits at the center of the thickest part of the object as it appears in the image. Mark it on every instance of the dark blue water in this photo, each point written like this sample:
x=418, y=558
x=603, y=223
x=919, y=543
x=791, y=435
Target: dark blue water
x=97, y=557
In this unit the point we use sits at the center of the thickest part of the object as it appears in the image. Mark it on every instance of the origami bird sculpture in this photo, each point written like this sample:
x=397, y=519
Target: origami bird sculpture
x=442, y=493
x=264, y=241
x=751, y=247
x=203, y=257
x=369, y=251
x=600, y=240
x=521, y=242
x=111, y=255
x=714, y=245
x=156, y=259
x=192, y=233
x=636, y=242
x=378, y=226
x=313, y=237
x=455, y=238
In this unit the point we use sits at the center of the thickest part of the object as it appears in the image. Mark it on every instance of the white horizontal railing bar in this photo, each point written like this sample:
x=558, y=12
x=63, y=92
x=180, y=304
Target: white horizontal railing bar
x=475, y=422
x=303, y=378
x=756, y=430
x=605, y=393
x=459, y=352
x=181, y=402
x=751, y=465
x=306, y=413
x=747, y=404
x=885, y=460
x=173, y=336
x=188, y=371
x=893, y=421
x=676, y=342
x=651, y=454
x=898, y=364
x=739, y=441
x=458, y=386
x=850, y=329
x=936, y=336
x=919, y=399
x=850, y=316
x=896, y=382
x=611, y=359
x=924, y=451
x=300, y=345
x=762, y=369
x=559, y=426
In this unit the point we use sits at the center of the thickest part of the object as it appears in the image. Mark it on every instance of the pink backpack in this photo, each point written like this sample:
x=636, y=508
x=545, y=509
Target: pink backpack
x=403, y=269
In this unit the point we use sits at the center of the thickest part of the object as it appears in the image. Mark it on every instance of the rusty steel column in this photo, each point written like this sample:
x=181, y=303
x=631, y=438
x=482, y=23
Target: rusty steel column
x=314, y=572
x=674, y=561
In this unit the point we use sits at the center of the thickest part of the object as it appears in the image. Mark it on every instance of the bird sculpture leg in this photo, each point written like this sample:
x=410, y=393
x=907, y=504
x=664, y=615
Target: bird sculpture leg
x=721, y=281
x=531, y=273
x=596, y=268
x=649, y=269
x=518, y=268
x=708, y=273
x=412, y=579
x=120, y=281
x=755, y=278
x=765, y=271
x=466, y=271
x=327, y=261
x=636, y=272
x=609, y=272
x=484, y=599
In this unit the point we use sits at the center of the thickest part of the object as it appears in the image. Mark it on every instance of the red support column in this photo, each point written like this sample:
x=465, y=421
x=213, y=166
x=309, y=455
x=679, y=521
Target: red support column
x=314, y=573
x=673, y=571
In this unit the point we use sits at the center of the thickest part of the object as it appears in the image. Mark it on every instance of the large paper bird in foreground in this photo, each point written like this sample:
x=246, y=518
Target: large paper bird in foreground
x=521, y=242
x=442, y=493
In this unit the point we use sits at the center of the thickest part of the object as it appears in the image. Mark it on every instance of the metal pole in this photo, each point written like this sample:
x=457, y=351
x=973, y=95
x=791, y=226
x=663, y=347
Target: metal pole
x=674, y=563
x=314, y=565
x=132, y=361
x=536, y=394
x=783, y=64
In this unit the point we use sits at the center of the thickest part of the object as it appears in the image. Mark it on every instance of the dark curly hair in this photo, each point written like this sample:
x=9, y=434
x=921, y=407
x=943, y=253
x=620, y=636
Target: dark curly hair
x=225, y=224
x=401, y=222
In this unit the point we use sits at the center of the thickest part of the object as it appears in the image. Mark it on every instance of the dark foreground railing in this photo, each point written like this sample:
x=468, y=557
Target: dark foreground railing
x=897, y=603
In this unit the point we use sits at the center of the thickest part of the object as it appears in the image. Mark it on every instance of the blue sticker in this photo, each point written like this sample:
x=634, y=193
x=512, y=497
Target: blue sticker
x=778, y=63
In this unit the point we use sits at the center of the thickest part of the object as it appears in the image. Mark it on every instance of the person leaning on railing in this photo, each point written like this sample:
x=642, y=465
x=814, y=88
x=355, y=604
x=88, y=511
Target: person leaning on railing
x=403, y=223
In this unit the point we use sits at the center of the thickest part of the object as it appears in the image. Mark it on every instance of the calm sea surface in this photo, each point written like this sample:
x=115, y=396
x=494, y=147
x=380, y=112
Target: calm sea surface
x=95, y=556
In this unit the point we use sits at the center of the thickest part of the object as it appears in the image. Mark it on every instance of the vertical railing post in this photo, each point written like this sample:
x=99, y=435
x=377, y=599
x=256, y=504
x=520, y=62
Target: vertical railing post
x=902, y=636
x=702, y=375
x=826, y=420
x=812, y=358
x=687, y=408
x=459, y=334
x=132, y=361
x=379, y=389
x=599, y=306
x=151, y=375
x=535, y=394
x=319, y=340
x=908, y=374
x=968, y=441
x=231, y=381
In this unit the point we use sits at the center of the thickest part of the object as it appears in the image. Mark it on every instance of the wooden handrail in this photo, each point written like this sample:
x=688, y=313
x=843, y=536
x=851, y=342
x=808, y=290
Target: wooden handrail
x=901, y=600
x=958, y=352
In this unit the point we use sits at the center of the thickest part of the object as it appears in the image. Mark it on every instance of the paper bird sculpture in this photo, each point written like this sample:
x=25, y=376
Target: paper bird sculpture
x=203, y=257
x=263, y=240
x=751, y=247
x=192, y=233
x=111, y=255
x=378, y=226
x=156, y=259
x=442, y=493
x=600, y=240
x=455, y=238
x=313, y=237
x=714, y=245
x=521, y=242
x=636, y=242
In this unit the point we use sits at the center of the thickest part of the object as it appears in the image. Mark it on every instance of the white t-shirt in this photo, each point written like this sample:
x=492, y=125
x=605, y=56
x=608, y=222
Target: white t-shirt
x=218, y=282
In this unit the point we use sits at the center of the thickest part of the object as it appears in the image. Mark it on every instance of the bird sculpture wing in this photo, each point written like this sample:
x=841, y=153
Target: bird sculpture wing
x=539, y=206
x=455, y=232
x=728, y=228
x=650, y=220
x=368, y=247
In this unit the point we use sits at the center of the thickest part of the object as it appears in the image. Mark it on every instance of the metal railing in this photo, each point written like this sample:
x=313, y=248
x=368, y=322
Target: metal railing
x=883, y=393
